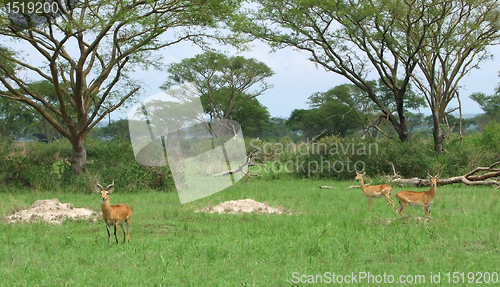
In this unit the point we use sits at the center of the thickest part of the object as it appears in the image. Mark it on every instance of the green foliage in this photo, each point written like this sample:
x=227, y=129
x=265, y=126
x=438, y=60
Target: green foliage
x=340, y=157
x=491, y=136
x=15, y=119
x=116, y=130
x=346, y=109
x=489, y=104
x=46, y=167
x=277, y=129
x=35, y=164
x=224, y=83
x=365, y=34
x=253, y=117
x=124, y=35
x=330, y=119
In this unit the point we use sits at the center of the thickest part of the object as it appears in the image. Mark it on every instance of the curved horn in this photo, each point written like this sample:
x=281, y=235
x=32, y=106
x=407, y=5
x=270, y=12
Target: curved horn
x=113, y=183
x=100, y=186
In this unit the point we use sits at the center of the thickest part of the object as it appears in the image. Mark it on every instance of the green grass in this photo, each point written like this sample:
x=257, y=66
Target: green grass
x=330, y=230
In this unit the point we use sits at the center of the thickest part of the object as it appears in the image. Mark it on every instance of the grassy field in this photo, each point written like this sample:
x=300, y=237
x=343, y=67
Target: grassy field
x=330, y=232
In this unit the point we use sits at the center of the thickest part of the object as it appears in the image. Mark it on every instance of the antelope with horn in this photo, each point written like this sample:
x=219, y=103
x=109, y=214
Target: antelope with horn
x=114, y=214
x=414, y=198
x=375, y=191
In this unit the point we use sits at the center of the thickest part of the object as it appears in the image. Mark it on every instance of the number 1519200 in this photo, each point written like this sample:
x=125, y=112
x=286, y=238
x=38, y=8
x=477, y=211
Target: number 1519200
x=471, y=277
x=31, y=7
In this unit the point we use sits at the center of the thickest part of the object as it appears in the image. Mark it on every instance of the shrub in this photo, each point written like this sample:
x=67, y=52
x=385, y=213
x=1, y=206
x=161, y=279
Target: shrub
x=46, y=166
x=340, y=157
x=490, y=137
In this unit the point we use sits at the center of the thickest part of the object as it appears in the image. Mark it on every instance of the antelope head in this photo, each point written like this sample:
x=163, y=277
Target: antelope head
x=106, y=191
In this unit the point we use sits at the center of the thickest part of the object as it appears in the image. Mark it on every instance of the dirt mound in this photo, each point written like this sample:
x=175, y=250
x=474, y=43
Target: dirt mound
x=50, y=210
x=244, y=206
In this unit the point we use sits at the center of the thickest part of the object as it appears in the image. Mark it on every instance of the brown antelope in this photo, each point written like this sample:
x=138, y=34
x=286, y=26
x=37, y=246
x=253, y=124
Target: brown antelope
x=375, y=191
x=413, y=198
x=114, y=214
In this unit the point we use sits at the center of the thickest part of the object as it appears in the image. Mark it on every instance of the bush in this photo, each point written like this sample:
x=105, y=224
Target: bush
x=340, y=157
x=46, y=166
x=490, y=137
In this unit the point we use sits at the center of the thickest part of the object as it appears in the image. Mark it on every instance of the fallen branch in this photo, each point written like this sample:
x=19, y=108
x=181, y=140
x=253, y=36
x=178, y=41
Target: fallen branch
x=358, y=186
x=240, y=168
x=325, y=186
x=470, y=178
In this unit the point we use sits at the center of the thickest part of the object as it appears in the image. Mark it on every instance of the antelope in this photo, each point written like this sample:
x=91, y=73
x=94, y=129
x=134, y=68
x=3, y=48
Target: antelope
x=375, y=191
x=114, y=214
x=414, y=198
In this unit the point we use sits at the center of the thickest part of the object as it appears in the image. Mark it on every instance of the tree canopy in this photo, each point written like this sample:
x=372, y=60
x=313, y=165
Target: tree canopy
x=89, y=48
x=391, y=40
x=224, y=83
x=355, y=39
x=457, y=42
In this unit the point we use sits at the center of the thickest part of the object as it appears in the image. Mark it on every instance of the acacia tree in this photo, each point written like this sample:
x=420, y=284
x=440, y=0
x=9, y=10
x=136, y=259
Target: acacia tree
x=353, y=38
x=360, y=108
x=224, y=83
x=89, y=48
x=456, y=44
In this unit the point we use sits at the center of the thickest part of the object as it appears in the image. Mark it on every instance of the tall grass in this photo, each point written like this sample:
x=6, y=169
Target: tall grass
x=329, y=230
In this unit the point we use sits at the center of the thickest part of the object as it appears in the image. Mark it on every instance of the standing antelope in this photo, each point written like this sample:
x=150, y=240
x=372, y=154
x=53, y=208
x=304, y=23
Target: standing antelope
x=114, y=214
x=375, y=191
x=413, y=198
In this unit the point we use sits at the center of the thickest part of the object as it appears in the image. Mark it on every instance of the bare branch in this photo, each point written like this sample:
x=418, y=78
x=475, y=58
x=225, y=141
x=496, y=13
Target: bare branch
x=469, y=178
x=240, y=168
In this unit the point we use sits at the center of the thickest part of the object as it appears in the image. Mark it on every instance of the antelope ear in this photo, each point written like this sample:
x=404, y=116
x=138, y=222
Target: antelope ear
x=111, y=190
x=363, y=173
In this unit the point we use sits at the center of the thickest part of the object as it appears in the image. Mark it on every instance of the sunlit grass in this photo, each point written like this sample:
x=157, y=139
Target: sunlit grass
x=329, y=230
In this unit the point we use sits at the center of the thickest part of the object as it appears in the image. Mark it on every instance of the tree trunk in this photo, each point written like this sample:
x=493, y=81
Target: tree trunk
x=402, y=129
x=436, y=133
x=79, y=154
x=399, y=123
x=403, y=125
x=45, y=130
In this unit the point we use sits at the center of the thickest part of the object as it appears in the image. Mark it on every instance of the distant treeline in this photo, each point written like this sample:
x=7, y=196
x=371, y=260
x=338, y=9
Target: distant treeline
x=46, y=166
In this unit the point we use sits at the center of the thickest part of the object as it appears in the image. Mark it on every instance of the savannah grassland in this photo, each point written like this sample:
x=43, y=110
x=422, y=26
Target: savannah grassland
x=329, y=230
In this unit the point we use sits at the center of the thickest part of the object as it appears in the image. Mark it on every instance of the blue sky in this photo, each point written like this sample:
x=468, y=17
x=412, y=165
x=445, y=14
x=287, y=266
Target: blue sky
x=296, y=78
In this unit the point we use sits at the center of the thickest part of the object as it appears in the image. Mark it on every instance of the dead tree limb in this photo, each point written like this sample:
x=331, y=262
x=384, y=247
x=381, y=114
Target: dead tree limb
x=320, y=134
x=460, y=113
x=240, y=168
x=248, y=163
x=469, y=178
x=374, y=124
x=358, y=186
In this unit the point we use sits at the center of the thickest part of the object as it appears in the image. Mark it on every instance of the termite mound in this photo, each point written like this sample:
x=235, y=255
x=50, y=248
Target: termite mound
x=244, y=206
x=51, y=211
